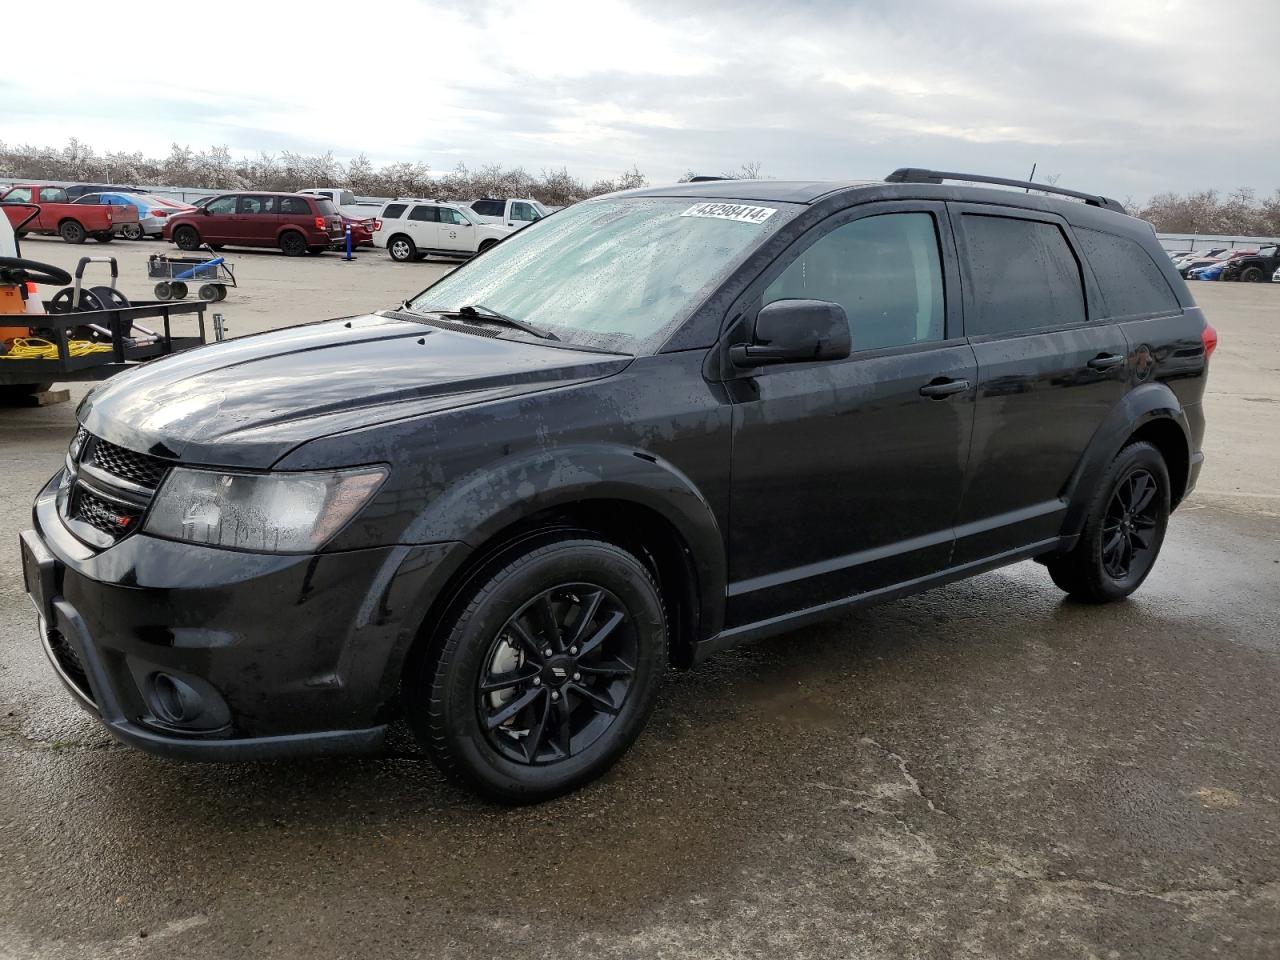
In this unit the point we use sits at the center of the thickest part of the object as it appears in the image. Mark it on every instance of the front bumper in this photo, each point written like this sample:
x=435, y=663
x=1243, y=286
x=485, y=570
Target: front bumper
x=283, y=655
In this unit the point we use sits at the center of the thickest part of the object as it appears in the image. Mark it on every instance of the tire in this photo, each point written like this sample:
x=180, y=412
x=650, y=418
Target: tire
x=103, y=237
x=1090, y=572
x=485, y=245
x=208, y=292
x=132, y=231
x=186, y=238
x=1252, y=275
x=402, y=249
x=222, y=291
x=178, y=290
x=71, y=231
x=163, y=290
x=581, y=710
x=293, y=244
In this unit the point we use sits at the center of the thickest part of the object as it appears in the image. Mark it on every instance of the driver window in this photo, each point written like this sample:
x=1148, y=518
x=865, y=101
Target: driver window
x=884, y=270
x=18, y=195
x=523, y=211
x=222, y=205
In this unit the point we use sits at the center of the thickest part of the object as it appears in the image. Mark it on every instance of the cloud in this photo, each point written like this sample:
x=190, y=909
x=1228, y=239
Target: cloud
x=1126, y=99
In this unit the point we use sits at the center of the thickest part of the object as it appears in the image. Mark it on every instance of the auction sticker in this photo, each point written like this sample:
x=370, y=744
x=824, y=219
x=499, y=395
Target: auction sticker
x=730, y=211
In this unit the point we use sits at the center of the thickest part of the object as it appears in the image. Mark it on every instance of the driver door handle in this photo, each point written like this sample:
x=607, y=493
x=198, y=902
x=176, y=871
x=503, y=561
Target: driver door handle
x=940, y=388
x=1105, y=361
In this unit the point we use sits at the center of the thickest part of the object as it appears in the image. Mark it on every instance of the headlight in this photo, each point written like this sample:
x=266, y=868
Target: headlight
x=270, y=512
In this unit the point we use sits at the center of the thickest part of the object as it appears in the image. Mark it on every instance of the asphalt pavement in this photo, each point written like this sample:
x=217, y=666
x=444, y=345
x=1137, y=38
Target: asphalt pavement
x=985, y=770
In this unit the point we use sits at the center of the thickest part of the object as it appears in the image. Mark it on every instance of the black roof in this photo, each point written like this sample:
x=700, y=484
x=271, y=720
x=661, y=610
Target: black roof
x=781, y=191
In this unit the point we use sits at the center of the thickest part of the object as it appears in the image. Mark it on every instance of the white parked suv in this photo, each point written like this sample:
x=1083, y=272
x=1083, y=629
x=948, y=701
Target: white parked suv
x=515, y=212
x=413, y=229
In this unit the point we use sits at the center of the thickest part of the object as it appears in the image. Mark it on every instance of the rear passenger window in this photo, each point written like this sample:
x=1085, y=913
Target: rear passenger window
x=886, y=273
x=295, y=205
x=393, y=210
x=428, y=214
x=1130, y=281
x=1023, y=276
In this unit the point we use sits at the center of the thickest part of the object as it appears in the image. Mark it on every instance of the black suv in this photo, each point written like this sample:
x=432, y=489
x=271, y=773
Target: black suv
x=1253, y=267
x=648, y=427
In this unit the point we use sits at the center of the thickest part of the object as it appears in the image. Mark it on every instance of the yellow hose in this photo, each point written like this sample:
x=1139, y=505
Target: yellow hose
x=36, y=348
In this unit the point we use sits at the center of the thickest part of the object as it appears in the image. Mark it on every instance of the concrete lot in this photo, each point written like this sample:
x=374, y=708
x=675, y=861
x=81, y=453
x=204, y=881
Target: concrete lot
x=984, y=770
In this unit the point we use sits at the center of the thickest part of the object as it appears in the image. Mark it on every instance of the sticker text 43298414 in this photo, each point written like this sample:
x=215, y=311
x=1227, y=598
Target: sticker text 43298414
x=743, y=213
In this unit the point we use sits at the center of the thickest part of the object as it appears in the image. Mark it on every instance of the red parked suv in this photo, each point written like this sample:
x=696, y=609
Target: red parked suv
x=295, y=222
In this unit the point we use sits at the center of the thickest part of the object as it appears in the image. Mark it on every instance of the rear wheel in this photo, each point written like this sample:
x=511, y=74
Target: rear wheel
x=546, y=674
x=293, y=244
x=402, y=249
x=186, y=238
x=1123, y=531
x=1252, y=275
x=208, y=292
x=178, y=290
x=72, y=232
x=164, y=290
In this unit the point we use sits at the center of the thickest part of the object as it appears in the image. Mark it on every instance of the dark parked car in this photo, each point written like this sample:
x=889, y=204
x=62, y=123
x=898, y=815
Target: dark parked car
x=637, y=432
x=296, y=223
x=1253, y=267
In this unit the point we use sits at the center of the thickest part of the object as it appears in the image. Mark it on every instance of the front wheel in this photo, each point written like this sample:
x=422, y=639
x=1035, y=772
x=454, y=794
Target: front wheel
x=545, y=675
x=131, y=231
x=186, y=238
x=1123, y=531
x=1252, y=275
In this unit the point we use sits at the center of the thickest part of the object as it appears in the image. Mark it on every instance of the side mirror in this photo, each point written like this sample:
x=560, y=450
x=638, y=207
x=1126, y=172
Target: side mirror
x=795, y=331
x=204, y=209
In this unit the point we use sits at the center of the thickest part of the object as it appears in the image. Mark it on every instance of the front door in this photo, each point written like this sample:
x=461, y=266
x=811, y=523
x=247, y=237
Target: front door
x=217, y=224
x=847, y=474
x=456, y=232
x=1050, y=369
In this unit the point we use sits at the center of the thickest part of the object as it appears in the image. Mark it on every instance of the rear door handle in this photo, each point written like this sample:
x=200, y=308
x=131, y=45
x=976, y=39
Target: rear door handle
x=1105, y=361
x=940, y=388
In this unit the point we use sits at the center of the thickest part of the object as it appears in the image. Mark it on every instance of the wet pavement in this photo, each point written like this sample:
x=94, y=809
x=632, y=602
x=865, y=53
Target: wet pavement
x=985, y=770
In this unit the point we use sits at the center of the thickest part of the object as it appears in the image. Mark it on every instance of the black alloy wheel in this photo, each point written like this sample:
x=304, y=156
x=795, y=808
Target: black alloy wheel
x=72, y=232
x=546, y=671
x=1123, y=530
x=1252, y=275
x=186, y=238
x=293, y=243
x=1129, y=530
x=557, y=674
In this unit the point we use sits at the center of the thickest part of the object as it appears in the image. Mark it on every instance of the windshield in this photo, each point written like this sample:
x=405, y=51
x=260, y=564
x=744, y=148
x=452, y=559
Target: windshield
x=613, y=274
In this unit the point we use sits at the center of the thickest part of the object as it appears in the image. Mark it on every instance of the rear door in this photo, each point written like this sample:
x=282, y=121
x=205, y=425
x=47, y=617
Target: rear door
x=423, y=226
x=1050, y=369
x=256, y=219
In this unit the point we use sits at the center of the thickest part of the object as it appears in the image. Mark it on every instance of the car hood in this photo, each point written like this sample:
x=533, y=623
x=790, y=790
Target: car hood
x=247, y=402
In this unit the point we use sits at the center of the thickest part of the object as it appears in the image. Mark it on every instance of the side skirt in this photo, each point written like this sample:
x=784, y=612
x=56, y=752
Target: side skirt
x=791, y=621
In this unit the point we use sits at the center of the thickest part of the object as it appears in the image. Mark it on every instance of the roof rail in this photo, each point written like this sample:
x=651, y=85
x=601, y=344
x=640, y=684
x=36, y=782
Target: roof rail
x=705, y=179
x=917, y=175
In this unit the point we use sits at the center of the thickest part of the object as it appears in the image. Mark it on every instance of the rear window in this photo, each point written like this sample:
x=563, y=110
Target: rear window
x=1023, y=276
x=429, y=214
x=393, y=210
x=1130, y=280
x=488, y=208
x=347, y=198
x=296, y=205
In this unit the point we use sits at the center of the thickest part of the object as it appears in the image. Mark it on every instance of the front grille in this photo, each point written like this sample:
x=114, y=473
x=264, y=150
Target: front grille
x=138, y=468
x=69, y=662
x=115, y=520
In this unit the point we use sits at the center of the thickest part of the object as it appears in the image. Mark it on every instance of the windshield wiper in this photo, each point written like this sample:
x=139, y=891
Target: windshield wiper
x=480, y=311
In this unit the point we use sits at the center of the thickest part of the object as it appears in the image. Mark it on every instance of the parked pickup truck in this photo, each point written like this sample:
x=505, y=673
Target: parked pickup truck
x=346, y=202
x=513, y=212
x=71, y=221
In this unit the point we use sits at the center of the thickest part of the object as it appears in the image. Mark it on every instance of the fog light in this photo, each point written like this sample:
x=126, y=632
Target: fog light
x=173, y=700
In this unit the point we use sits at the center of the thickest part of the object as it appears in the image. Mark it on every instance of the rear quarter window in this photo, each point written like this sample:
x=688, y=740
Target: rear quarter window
x=296, y=205
x=393, y=211
x=1130, y=281
x=325, y=207
x=1023, y=276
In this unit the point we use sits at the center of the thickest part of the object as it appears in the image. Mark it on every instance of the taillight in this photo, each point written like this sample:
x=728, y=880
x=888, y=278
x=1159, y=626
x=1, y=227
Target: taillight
x=157, y=212
x=319, y=223
x=1209, y=337
x=108, y=216
x=377, y=225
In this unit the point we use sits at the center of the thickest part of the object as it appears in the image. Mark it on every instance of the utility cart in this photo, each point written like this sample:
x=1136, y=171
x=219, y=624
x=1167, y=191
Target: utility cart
x=213, y=274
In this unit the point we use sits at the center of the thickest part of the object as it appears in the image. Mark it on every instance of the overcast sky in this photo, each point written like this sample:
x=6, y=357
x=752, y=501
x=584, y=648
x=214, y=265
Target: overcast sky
x=1124, y=97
